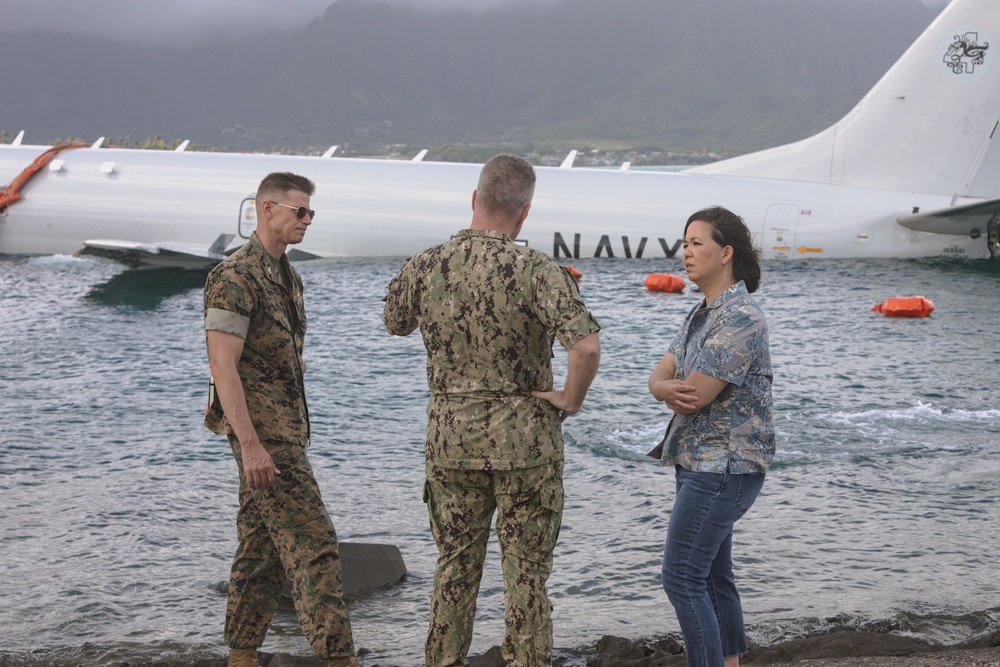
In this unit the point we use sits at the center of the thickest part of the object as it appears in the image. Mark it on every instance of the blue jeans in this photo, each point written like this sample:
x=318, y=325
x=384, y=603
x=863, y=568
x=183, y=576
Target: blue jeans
x=698, y=563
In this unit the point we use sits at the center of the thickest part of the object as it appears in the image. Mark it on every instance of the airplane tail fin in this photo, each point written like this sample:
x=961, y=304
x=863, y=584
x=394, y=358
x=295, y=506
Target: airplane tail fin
x=929, y=125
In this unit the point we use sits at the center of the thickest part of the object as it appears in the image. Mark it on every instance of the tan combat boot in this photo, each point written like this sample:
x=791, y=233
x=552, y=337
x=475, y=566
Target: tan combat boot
x=344, y=661
x=243, y=657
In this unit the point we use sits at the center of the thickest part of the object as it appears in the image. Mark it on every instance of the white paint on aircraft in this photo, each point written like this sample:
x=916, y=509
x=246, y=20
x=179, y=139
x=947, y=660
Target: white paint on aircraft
x=912, y=171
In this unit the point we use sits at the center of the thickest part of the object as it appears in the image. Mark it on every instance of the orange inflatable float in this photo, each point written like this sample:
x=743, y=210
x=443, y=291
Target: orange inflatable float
x=665, y=282
x=905, y=306
x=573, y=272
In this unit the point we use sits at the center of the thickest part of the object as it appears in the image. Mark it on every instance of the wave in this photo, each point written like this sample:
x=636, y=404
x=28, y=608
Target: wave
x=629, y=442
x=56, y=260
x=940, y=627
x=919, y=413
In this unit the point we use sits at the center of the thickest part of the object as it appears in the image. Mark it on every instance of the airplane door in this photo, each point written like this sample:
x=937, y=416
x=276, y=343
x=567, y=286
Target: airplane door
x=778, y=237
x=248, y=217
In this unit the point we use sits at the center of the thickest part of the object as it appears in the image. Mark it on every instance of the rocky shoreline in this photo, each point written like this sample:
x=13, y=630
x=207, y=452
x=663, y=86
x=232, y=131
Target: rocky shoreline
x=844, y=648
x=848, y=648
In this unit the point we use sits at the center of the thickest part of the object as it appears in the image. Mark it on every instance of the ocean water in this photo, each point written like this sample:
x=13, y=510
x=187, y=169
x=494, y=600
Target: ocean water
x=117, y=507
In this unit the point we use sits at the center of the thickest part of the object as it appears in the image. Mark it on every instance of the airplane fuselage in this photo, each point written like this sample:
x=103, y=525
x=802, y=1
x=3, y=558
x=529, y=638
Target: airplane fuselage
x=380, y=208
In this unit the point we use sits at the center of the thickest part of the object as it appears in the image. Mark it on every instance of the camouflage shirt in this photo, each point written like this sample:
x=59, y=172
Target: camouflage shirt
x=735, y=432
x=489, y=311
x=244, y=296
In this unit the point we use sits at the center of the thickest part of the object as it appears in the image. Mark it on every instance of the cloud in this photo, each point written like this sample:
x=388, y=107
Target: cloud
x=158, y=20
x=180, y=21
x=186, y=21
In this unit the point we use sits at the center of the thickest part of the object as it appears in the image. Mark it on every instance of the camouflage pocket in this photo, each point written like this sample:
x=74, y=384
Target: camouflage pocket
x=294, y=499
x=553, y=497
x=532, y=520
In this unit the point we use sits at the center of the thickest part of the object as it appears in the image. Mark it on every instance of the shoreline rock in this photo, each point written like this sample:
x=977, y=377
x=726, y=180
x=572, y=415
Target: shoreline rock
x=843, y=648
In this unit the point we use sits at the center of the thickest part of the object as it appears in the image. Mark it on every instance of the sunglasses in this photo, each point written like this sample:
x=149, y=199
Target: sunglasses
x=300, y=211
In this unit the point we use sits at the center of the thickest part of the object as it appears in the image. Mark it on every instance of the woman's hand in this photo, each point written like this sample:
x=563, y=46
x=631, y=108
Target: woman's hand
x=677, y=394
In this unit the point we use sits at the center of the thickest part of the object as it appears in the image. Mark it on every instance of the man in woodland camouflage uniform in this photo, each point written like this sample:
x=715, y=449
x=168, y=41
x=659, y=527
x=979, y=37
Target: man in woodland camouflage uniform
x=255, y=325
x=489, y=309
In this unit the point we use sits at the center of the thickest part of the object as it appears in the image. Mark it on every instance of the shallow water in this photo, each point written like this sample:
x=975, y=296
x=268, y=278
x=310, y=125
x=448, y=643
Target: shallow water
x=116, y=518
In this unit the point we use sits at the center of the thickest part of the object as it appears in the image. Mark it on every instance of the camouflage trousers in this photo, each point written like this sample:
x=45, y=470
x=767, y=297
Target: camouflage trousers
x=285, y=532
x=461, y=503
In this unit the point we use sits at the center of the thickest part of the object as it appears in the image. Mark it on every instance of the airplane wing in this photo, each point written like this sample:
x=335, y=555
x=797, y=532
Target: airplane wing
x=968, y=220
x=174, y=255
x=149, y=255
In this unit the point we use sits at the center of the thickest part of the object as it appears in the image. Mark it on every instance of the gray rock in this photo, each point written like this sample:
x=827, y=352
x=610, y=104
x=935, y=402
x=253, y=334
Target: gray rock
x=366, y=568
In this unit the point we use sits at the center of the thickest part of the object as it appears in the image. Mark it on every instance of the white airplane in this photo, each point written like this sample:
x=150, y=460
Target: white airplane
x=912, y=171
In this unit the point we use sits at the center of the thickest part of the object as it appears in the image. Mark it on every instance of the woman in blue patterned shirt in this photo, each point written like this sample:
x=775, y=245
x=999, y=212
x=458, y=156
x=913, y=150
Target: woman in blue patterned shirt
x=716, y=377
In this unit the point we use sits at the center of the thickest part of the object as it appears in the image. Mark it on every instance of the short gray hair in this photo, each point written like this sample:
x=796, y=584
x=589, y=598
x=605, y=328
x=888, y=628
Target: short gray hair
x=506, y=185
x=284, y=182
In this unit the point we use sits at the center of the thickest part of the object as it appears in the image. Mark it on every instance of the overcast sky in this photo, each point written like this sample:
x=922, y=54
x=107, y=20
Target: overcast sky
x=179, y=21
x=183, y=20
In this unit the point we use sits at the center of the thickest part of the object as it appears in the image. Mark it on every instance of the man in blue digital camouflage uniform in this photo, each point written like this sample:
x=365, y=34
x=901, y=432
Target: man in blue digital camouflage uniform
x=489, y=310
x=255, y=325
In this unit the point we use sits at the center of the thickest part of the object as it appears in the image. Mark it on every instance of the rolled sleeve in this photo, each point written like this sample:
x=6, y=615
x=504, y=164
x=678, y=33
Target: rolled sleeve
x=217, y=319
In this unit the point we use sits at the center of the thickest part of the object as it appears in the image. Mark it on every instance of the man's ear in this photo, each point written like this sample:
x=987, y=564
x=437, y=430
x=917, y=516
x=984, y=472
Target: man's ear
x=524, y=214
x=473, y=201
x=520, y=222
